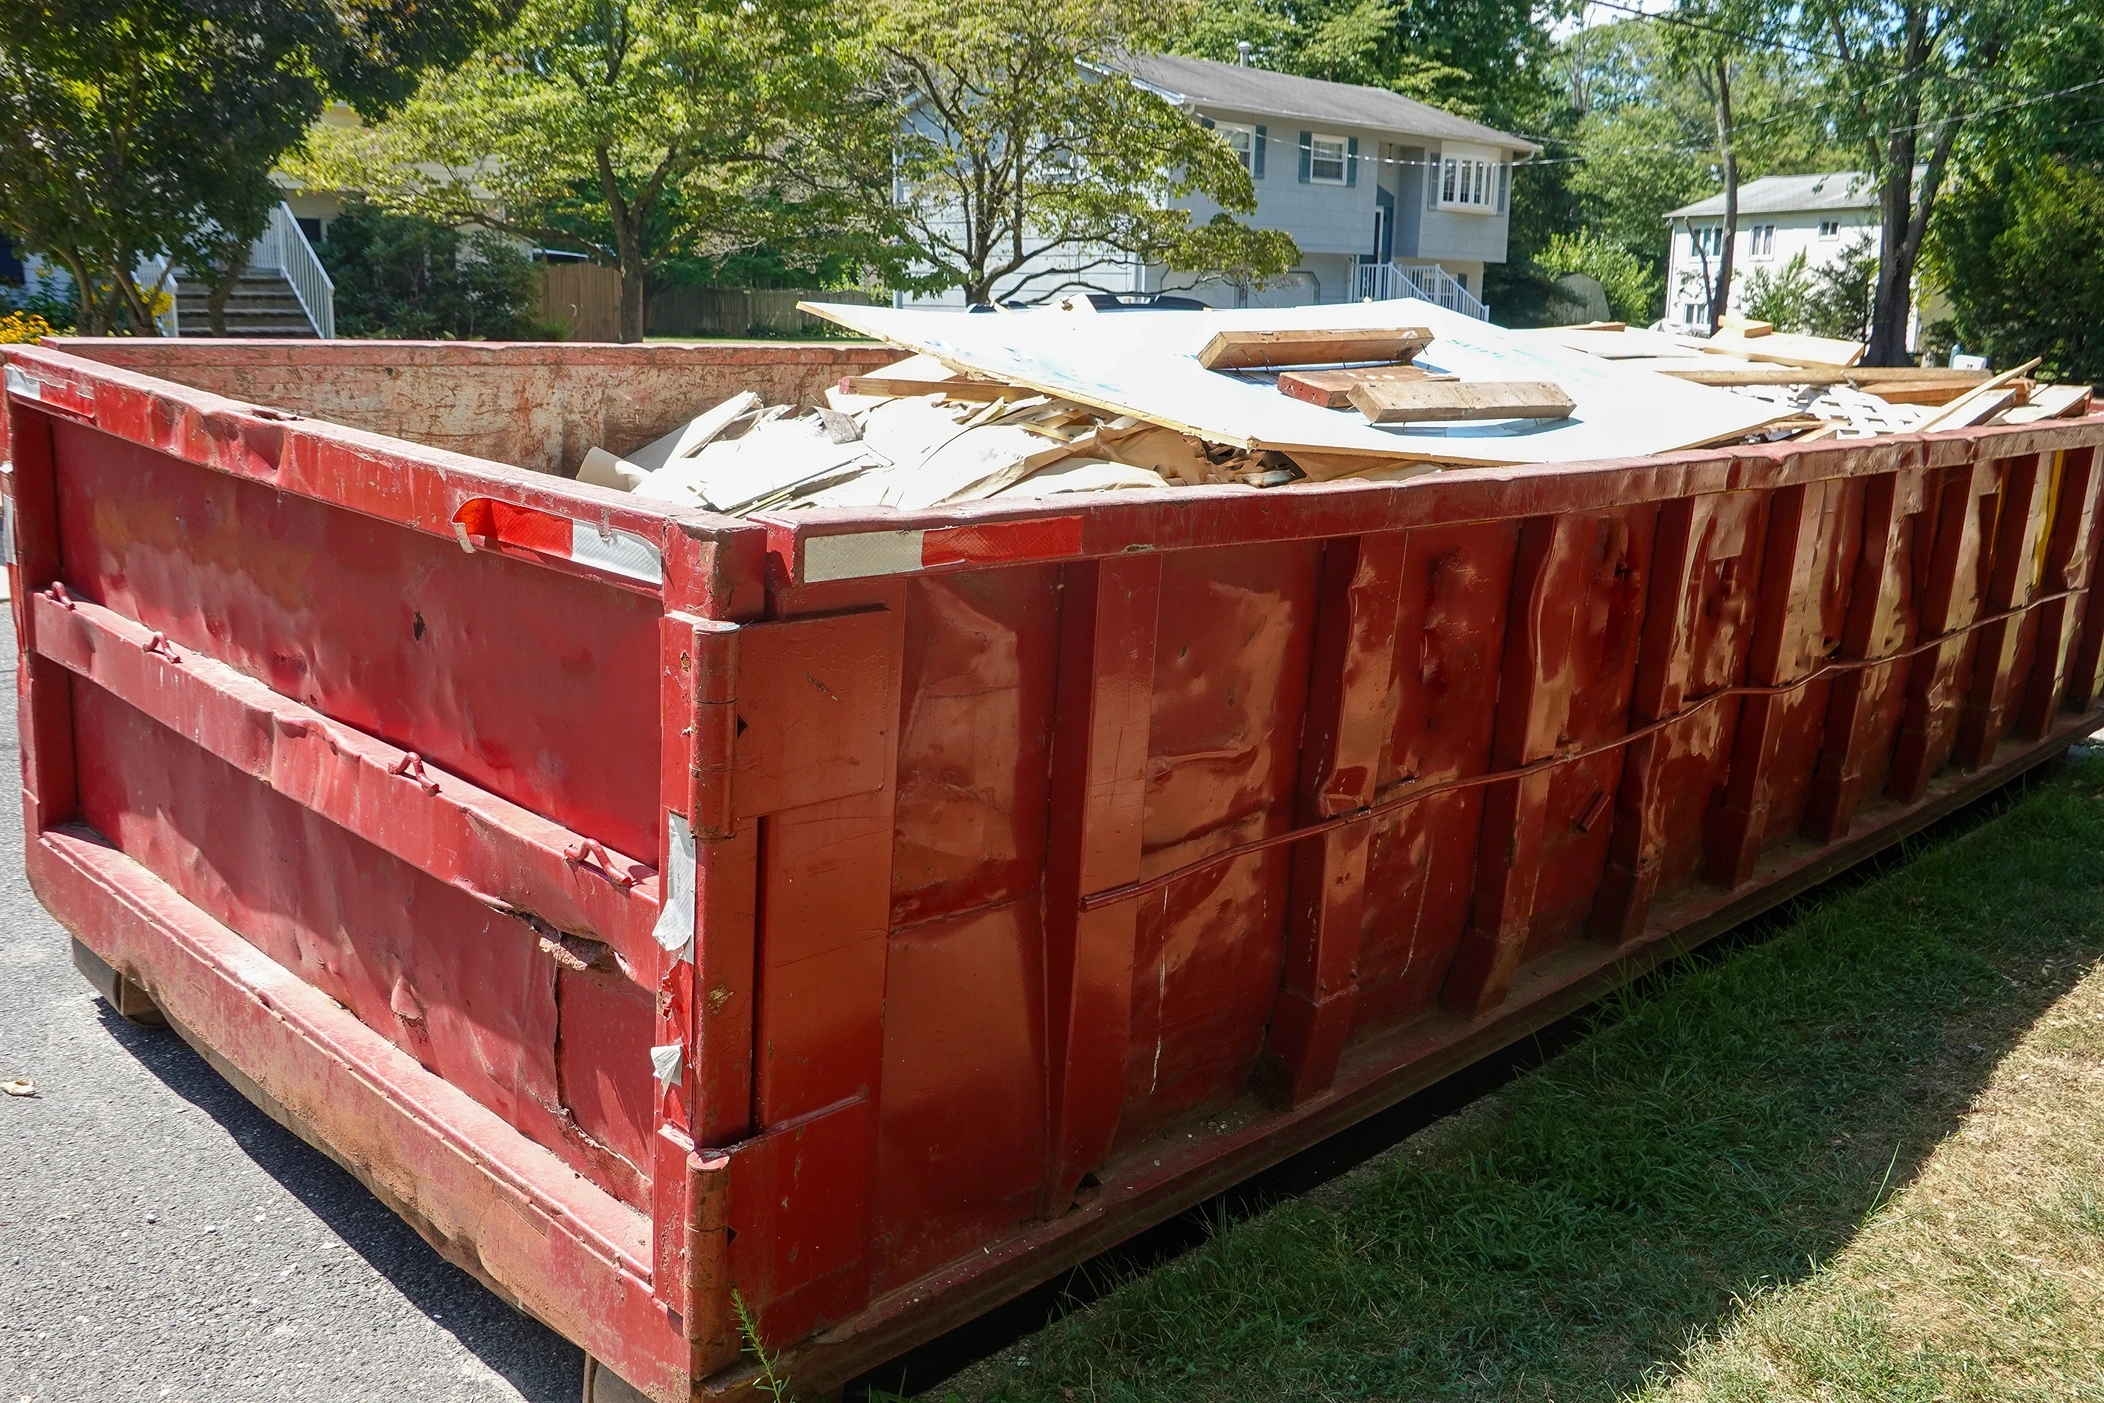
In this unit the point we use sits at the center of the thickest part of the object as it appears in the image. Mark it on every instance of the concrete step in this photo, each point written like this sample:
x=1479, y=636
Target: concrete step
x=260, y=304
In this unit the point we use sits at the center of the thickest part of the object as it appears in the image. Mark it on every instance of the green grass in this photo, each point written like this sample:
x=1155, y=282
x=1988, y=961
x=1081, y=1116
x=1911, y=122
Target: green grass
x=1859, y=1160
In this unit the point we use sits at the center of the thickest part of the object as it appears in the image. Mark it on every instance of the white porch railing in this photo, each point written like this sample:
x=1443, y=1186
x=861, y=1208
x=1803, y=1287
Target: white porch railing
x=284, y=247
x=1385, y=281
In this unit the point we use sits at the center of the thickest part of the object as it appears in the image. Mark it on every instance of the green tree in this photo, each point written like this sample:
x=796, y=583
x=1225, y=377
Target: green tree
x=639, y=130
x=139, y=130
x=1632, y=283
x=1028, y=161
x=1342, y=41
x=1906, y=79
x=409, y=278
x=1782, y=297
x=2020, y=247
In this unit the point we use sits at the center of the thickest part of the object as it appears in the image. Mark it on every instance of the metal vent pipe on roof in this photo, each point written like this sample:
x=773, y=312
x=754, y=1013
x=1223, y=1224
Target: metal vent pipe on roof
x=1242, y=51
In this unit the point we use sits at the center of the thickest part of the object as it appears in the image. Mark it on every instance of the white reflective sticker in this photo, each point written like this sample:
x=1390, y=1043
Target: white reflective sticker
x=861, y=553
x=21, y=384
x=616, y=551
x=665, y=1061
x=675, y=922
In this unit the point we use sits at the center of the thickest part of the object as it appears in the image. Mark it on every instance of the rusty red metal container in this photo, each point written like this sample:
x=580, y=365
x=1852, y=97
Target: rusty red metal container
x=874, y=914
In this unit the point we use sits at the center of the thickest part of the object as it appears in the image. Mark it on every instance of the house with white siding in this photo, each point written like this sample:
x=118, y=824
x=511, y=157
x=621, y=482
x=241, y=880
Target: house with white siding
x=1828, y=218
x=1385, y=196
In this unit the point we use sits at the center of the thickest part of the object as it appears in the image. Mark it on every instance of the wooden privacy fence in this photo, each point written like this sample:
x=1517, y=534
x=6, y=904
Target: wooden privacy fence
x=586, y=299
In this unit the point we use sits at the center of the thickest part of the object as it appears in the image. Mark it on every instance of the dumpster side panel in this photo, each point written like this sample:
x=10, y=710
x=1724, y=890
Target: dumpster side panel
x=534, y=406
x=390, y=630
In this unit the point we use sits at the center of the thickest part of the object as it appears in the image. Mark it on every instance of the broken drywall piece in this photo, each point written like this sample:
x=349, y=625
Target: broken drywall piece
x=694, y=435
x=1084, y=475
x=602, y=469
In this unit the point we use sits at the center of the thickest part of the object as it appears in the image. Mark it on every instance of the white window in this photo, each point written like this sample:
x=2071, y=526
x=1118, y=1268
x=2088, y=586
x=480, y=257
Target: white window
x=1242, y=141
x=1326, y=159
x=1761, y=240
x=1470, y=180
x=1829, y=228
x=1706, y=241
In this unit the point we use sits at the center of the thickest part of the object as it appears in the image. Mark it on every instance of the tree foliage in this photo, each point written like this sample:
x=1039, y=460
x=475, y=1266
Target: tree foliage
x=409, y=278
x=637, y=130
x=2021, y=249
x=1631, y=282
x=135, y=130
x=1028, y=162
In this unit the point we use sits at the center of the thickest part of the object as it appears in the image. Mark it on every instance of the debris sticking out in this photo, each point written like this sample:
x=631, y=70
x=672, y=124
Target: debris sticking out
x=1038, y=404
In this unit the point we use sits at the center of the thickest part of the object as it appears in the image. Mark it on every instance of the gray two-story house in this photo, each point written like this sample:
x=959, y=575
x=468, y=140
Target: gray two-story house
x=1386, y=196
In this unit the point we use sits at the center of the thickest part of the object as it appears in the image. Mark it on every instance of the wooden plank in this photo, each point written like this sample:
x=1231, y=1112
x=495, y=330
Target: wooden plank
x=1934, y=392
x=2052, y=402
x=1441, y=401
x=897, y=387
x=1332, y=389
x=1101, y=731
x=1986, y=398
x=1351, y=712
x=1783, y=348
x=1260, y=350
x=1861, y=376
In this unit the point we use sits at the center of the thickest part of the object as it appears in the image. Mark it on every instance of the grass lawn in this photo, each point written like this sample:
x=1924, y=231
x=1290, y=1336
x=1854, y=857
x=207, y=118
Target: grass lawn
x=1863, y=1159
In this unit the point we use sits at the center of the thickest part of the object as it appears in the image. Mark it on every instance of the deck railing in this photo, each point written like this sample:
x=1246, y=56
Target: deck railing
x=1384, y=281
x=284, y=247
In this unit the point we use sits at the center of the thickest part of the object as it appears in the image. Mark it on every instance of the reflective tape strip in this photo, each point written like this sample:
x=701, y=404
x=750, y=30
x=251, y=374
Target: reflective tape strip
x=859, y=554
x=616, y=551
x=607, y=548
x=23, y=385
x=675, y=923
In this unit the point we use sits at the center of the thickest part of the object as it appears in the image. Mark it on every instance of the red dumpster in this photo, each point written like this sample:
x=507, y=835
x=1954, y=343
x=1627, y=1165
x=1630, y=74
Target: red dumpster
x=872, y=914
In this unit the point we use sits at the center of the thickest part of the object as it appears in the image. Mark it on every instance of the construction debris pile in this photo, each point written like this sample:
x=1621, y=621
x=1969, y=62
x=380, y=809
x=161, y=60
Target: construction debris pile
x=1819, y=388
x=1034, y=404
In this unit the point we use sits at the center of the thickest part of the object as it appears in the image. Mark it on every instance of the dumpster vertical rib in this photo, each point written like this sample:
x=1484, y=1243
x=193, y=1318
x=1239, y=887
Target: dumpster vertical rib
x=1105, y=693
x=1862, y=714
x=2086, y=654
x=1697, y=631
x=1950, y=602
x=1350, y=720
x=50, y=793
x=2014, y=570
x=1533, y=700
x=1789, y=643
x=2070, y=557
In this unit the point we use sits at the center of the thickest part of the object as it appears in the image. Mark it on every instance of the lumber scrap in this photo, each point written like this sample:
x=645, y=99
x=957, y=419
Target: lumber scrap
x=696, y=434
x=1266, y=350
x=1860, y=376
x=1986, y=400
x=1332, y=389
x=1440, y=401
x=898, y=387
x=1930, y=392
x=1782, y=348
x=2052, y=402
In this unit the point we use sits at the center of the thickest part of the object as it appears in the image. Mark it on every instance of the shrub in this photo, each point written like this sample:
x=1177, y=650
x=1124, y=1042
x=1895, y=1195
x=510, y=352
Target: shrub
x=19, y=327
x=1633, y=289
x=1780, y=296
x=411, y=278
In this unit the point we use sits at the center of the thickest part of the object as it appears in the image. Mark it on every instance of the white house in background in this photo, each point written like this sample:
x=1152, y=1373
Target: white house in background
x=1386, y=196
x=1824, y=217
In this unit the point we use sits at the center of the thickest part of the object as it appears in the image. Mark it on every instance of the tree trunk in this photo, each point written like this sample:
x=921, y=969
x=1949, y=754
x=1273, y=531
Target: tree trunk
x=223, y=288
x=632, y=280
x=89, y=321
x=1728, y=158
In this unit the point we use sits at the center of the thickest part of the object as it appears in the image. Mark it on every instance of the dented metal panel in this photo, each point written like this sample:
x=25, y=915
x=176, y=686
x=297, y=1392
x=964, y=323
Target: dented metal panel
x=862, y=912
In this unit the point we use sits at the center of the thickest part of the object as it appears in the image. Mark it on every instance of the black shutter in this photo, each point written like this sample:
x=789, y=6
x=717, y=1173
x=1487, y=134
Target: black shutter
x=1351, y=160
x=1256, y=154
x=1307, y=156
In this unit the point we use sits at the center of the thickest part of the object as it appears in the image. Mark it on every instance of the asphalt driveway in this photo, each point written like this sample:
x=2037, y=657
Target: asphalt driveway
x=162, y=1239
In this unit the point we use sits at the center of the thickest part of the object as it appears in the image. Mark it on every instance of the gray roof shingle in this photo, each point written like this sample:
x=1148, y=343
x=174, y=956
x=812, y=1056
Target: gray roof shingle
x=1791, y=194
x=1258, y=90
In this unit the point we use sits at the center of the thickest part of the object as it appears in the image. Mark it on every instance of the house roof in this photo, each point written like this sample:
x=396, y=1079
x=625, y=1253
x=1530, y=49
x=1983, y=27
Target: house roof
x=1791, y=194
x=1199, y=80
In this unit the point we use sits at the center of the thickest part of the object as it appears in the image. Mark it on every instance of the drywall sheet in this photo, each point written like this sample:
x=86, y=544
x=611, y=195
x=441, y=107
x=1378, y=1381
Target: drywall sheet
x=1145, y=363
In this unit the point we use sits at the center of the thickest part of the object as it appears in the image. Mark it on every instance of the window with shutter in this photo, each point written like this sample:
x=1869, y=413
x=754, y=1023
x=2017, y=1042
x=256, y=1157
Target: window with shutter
x=1307, y=156
x=1257, y=150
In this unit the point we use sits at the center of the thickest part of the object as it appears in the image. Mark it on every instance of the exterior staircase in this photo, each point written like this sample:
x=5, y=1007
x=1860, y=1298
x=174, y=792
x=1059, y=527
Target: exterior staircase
x=263, y=303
